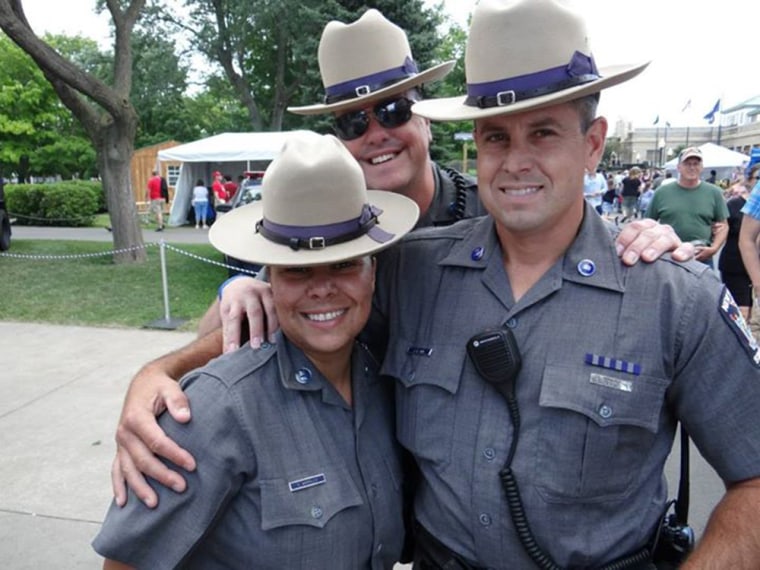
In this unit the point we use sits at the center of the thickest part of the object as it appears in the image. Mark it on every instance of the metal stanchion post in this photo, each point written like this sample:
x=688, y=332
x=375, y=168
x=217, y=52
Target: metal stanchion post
x=167, y=322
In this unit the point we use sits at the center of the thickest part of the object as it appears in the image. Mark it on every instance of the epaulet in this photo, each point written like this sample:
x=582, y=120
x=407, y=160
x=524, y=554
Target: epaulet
x=230, y=368
x=692, y=266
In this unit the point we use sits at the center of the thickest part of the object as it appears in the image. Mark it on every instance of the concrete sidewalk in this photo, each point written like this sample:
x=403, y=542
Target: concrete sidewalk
x=182, y=234
x=61, y=390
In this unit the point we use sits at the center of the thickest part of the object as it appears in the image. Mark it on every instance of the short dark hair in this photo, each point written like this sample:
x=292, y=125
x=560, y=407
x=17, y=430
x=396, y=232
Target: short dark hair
x=586, y=107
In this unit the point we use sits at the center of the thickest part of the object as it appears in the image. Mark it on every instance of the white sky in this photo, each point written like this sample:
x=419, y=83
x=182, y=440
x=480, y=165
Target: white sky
x=699, y=51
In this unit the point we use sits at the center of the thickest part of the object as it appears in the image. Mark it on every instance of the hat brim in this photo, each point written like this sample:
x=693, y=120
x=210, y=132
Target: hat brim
x=454, y=108
x=427, y=76
x=234, y=234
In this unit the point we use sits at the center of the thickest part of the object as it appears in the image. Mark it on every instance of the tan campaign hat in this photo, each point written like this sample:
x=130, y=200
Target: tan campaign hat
x=314, y=209
x=522, y=55
x=366, y=61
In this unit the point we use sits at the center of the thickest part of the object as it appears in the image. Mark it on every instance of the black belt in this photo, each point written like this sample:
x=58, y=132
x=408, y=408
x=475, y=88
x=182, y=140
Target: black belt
x=431, y=554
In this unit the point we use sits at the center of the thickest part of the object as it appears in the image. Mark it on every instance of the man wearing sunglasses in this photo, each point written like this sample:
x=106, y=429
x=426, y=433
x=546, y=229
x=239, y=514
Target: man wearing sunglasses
x=370, y=81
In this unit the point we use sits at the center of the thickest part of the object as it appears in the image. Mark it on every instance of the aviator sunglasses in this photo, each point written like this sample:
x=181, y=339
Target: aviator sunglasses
x=389, y=114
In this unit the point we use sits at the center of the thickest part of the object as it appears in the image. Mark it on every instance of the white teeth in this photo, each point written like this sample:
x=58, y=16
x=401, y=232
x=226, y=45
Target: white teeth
x=382, y=158
x=522, y=192
x=323, y=317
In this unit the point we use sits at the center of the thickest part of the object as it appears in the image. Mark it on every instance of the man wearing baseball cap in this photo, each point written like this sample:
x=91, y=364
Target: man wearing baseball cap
x=695, y=209
x=542, y=405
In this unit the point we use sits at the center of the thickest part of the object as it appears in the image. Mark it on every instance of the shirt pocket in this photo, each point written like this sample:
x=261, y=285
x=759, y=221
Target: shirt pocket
x=428, y=380
x=597, y=427
x=314, y=504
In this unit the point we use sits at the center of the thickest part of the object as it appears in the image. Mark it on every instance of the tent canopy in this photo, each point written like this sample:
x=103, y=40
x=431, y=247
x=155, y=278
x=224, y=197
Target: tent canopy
x=230, y=153
x=715, y=156
x=229, y=147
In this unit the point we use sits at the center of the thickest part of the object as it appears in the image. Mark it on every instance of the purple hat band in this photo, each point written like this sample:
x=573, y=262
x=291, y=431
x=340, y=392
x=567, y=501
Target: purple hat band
x=581, y=69
x=320, y=237
x=370, y=83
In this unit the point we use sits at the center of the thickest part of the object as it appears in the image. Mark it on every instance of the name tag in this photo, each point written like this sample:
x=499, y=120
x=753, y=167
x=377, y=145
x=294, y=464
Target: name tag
x=306, y=482
x=419, y=351
x=610, y=382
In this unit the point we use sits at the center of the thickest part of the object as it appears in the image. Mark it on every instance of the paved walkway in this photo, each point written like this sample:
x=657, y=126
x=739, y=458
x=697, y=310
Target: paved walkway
x=183, y=234
x=61, y=389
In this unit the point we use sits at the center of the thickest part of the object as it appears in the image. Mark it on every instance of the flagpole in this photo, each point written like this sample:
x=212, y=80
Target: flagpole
x=656, y=142
x=720, y=117
x=685, y=107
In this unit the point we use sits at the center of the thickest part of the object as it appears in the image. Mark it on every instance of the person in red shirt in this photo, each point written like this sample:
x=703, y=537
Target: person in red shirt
x=220, y=192
x=154, y=196
x=230, y=187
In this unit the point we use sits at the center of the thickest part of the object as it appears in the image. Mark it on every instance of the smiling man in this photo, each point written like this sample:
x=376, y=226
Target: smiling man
x=542, y=420
x=371, y=80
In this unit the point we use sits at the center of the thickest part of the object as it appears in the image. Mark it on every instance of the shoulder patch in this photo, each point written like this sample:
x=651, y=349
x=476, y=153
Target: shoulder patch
x=733, y=316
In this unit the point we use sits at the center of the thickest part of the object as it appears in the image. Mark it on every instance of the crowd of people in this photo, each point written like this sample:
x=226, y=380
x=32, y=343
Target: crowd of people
x=706, y=214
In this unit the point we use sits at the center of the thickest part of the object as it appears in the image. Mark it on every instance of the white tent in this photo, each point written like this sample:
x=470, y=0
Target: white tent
x=229, y=153
x=715, y=157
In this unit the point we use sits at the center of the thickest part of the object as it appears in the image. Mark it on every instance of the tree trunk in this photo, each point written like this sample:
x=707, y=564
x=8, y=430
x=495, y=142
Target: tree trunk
x=114, y=151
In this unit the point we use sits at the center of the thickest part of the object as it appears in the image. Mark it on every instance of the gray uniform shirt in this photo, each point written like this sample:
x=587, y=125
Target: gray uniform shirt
x=289, y=476
x=611, y=356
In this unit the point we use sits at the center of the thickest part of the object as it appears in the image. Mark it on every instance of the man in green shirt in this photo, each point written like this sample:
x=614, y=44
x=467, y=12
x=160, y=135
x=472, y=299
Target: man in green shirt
x=695, y=209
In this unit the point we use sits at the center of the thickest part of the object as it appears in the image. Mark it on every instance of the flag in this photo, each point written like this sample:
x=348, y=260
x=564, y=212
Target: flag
x=656, y=120
x=710, y=117
x=667, y=124
x=688, y=104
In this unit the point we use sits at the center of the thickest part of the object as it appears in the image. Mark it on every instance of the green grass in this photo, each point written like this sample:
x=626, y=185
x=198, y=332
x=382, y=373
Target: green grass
x=94, y=291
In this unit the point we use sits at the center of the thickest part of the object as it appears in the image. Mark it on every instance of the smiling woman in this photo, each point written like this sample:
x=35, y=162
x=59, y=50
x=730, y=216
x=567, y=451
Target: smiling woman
x=333, y=485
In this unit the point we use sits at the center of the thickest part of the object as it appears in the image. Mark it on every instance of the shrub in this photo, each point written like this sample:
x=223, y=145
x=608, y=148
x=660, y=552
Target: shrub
x=59, y=204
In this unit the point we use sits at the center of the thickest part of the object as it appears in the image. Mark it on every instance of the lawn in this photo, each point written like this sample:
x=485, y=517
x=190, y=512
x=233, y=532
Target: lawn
x=95, y=291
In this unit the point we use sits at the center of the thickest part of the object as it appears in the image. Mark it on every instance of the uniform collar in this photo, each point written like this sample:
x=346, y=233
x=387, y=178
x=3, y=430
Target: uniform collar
x=594, y=243
x=297, y=372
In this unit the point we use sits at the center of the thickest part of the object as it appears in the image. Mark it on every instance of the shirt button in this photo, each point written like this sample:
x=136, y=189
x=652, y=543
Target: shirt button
x=512, y=323
x=489, y=453
x=484, y=519
x=265, y=345
x=605, y=411
x=373, y=490
x=379, y=547
x=316, y=512
x=303, y=376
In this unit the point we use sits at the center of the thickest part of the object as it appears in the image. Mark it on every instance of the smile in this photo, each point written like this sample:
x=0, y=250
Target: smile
x=382, y=158
x=521, y=191
x=324, y=317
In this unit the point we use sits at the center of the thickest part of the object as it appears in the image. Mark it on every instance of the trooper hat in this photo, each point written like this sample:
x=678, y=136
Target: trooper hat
x=315, y=209
x=523, y=55
x=366, y=61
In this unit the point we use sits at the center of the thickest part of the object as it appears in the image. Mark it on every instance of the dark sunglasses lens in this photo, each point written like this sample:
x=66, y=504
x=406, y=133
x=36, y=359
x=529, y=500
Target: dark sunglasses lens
x=352, y=125
x=392, y=114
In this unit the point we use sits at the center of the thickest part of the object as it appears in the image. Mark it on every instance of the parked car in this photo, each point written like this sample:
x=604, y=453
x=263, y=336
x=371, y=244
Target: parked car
x=5, y=221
